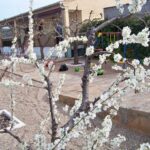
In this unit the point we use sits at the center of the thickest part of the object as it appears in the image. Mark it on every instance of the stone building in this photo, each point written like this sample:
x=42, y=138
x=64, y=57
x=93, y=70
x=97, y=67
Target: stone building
x=50, y=19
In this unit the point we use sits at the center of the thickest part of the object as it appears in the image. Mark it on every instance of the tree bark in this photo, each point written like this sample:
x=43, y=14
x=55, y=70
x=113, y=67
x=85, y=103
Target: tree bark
x=75, y=50
x=85, y=79
x=53, y=120
x=42, y=52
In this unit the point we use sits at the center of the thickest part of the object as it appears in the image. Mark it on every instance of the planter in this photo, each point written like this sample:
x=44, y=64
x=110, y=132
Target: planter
x=5, y=121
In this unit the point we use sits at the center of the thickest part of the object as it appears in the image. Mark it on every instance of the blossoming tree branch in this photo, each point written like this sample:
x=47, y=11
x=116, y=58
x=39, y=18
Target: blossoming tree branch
x=135, y=76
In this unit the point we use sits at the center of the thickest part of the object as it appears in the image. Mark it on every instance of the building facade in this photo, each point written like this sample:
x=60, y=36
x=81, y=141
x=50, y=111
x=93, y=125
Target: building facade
x=48, y=21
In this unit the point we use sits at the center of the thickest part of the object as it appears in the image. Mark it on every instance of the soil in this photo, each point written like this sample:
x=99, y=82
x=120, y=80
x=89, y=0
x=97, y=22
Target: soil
x=4, y=121
x=32, y=107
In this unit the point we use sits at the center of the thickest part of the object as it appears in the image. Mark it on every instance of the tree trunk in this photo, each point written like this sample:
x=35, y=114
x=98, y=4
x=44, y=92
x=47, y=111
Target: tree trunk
x=42, y=52
x=75, y=50
x=24, y=44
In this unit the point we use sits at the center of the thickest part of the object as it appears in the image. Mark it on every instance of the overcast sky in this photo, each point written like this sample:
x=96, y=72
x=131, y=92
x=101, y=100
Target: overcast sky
x=9, y=8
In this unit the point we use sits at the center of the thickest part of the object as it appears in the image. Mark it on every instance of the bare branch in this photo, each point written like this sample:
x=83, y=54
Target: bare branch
x=13, y=135
x=54, y=124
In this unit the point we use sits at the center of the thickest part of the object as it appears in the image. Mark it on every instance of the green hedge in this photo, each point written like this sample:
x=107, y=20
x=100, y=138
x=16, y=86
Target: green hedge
x=133, y=50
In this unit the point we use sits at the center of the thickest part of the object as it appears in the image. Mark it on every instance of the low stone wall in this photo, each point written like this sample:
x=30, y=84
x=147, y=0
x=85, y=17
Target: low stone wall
x=129, y=118
x=133, y=119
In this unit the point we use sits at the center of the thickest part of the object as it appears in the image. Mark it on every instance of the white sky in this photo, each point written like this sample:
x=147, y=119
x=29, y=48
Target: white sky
x=9, y=8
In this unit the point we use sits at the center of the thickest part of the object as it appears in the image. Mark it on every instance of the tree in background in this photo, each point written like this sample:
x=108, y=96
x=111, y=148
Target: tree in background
x=79, y=125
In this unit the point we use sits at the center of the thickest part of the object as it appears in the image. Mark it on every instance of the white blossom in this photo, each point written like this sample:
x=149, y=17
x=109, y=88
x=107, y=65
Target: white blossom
x=116, y=45
x=13, y=47
x=78, y=39
x=40, y=142
x=116, y=67
x=117, y=141
x=144, y=146
x=108, y=101
x=117, y=58
x=136, y=5
x=41, y=68
x=135, y=63
x=143, y=37
x=27, y=79
x=126, y=32
x=32, y=55
x=120, y=6
x=110, y=48
x=102, y=58
x=104, y=96
x=89, y=50
x=66, y=108
x=10, y=83
x=5, y=62
x=24, y=146
x=146, y=61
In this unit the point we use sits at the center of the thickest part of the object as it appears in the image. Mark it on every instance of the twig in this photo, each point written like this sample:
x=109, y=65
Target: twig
x=5, y=71
x=54, y=124
x=96, y=100
x=50, y=97
x=13, y=135
x=108, y=22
